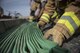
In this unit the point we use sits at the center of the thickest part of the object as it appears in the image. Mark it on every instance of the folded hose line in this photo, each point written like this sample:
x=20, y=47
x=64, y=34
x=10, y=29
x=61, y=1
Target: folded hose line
x=27, y=38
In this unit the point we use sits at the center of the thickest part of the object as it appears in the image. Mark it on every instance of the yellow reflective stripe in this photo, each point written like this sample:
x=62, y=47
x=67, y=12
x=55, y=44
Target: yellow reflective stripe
x=73, y=16
x=54, y=15
x=46, y=17
x=67, y=24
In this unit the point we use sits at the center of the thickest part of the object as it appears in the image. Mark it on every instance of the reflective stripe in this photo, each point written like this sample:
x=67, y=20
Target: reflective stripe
x=54, y=15
x=71, y=21
x=46, y=17
x=67, y=24
x=73, y=16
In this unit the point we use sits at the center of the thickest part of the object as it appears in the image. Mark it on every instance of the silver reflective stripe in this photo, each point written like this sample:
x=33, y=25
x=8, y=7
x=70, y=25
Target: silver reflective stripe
x=72, y=22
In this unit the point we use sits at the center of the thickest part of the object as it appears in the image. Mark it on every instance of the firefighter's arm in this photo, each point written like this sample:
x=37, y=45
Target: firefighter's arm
x=47, y=13
x=66, y=25
x=34, y=5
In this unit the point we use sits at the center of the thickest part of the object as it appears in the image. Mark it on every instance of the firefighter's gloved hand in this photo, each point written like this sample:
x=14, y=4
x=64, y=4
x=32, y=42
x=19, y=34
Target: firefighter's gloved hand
x=30, y=18
x=55, y=35
x=41, y=24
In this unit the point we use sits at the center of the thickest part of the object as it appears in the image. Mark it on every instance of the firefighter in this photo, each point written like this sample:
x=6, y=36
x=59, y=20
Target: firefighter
x=37, y=7
x=68, y=23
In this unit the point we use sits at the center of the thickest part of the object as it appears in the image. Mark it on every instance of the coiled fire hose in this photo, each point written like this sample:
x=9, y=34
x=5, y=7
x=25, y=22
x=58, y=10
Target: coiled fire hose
x=27, y=38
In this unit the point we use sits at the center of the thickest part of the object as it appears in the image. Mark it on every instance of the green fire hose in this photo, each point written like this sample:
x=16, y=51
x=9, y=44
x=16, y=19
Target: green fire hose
x=27, y=38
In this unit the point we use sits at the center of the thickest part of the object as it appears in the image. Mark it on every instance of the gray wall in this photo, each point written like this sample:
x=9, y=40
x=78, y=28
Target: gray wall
x=6, y=25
